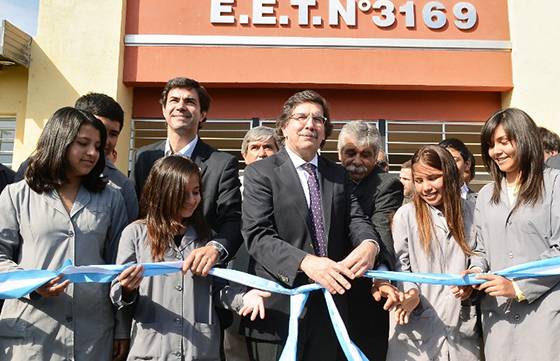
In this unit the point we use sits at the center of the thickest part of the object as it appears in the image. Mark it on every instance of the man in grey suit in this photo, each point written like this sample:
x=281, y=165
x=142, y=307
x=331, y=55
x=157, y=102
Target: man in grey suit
x=258, y=143
x=185, y=104
x=380, y=194
x=302, y=224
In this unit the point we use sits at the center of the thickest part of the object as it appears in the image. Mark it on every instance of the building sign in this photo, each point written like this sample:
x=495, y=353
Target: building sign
x=389, y=44
x=434, y=15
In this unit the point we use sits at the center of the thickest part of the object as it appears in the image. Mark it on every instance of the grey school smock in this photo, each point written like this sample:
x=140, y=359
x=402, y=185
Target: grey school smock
x=38, y=233
x=440, y=328
x=173, y=315
x=527, y=330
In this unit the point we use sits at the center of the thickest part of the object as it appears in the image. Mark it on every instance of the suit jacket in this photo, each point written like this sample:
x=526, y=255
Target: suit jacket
x=380, y=194
x=6, y=176
x=277, y=229
x=220, y=184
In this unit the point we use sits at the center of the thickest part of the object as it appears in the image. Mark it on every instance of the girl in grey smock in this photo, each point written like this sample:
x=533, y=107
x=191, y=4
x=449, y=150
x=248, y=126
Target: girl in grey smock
x=62, y=210
x=432, y=234
x=173, y=315
x=517, y=220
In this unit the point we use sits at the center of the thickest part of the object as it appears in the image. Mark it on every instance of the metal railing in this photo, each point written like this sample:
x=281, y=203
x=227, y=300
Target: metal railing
x=400, y=138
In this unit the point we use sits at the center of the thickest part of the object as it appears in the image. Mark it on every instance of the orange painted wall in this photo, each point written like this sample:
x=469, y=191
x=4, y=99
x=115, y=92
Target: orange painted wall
x=193, y=17
x=345, y=104
x=269, y=67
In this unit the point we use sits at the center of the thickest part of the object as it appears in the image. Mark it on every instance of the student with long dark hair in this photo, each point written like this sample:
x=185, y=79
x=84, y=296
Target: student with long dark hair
x=517, y=220
x=62, y=210
x=432, y=234
x=174, y=315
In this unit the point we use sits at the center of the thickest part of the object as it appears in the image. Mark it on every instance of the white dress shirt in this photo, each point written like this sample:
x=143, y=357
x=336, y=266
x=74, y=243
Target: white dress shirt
x=302, y=173
x=187, y=150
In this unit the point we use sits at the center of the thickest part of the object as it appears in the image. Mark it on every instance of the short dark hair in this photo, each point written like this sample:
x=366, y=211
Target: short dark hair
x=101, y=105
x=191, y=84
x=550, y=140
x=521, y=129
x=456, y=144
x=48, y=164
x=472, y=168
x=305, y=96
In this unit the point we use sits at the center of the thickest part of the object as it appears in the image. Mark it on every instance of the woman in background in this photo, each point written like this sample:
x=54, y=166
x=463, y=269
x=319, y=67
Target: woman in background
x=62, y=210
x=432, y=234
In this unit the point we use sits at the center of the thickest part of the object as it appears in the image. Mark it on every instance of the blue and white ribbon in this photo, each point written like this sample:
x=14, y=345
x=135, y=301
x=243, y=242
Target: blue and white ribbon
x=16, y=284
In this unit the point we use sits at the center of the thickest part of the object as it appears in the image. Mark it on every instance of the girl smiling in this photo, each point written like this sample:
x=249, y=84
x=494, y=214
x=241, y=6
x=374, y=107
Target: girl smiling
x=432, y=234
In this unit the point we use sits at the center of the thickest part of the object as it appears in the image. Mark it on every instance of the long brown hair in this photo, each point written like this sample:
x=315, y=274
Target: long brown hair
x=49, y=162
x=161, y=202
x=521, y=129
x=439, y=158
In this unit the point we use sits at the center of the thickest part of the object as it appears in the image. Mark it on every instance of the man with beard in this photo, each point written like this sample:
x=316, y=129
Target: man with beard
x=380, y=194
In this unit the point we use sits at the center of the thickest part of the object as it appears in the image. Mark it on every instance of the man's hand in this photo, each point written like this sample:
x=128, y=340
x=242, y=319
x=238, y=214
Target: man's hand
x=361, y=259
x=383, y=289
x=131, y=278
x=201, y=260
x=120, y=349
x=53, y=288
x=496, y=286
x=327, y=273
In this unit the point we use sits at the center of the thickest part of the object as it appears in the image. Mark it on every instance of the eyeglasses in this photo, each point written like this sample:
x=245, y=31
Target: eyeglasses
x=302, y=118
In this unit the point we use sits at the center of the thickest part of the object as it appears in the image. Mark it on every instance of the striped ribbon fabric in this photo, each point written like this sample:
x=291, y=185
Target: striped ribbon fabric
x=18, y=283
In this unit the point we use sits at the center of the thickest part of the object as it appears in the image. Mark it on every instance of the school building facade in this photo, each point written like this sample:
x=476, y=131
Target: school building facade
x=420, y=70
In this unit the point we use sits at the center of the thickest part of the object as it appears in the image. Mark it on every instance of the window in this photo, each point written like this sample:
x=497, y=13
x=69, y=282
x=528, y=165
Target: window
x=404, y=137
x=7, y=136
x=400, y=138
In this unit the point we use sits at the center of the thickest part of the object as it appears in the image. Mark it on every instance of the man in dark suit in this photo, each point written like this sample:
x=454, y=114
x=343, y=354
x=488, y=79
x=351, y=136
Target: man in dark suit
x=185, y=104
x=380, y=194
x=6, y=176
x=301, y=224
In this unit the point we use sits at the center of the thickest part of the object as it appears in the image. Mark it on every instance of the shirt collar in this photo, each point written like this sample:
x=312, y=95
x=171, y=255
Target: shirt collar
x=298, y=161
x=187, y=151
x=109, y=164
x=464, y=190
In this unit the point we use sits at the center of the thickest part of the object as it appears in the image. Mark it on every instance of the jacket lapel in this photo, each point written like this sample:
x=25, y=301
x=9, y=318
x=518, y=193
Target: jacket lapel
x=287, y=174
x=327, y=194
x=200, y=154
x=82, y=199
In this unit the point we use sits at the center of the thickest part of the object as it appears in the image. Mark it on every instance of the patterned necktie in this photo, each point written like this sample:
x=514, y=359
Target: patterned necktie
x=316, y=211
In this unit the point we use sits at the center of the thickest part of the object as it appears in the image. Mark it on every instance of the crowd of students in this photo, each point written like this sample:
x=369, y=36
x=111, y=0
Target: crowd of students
x=70, y=204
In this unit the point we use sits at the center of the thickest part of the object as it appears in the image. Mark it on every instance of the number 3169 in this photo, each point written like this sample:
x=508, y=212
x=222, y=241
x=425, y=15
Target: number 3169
x=433, y=14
